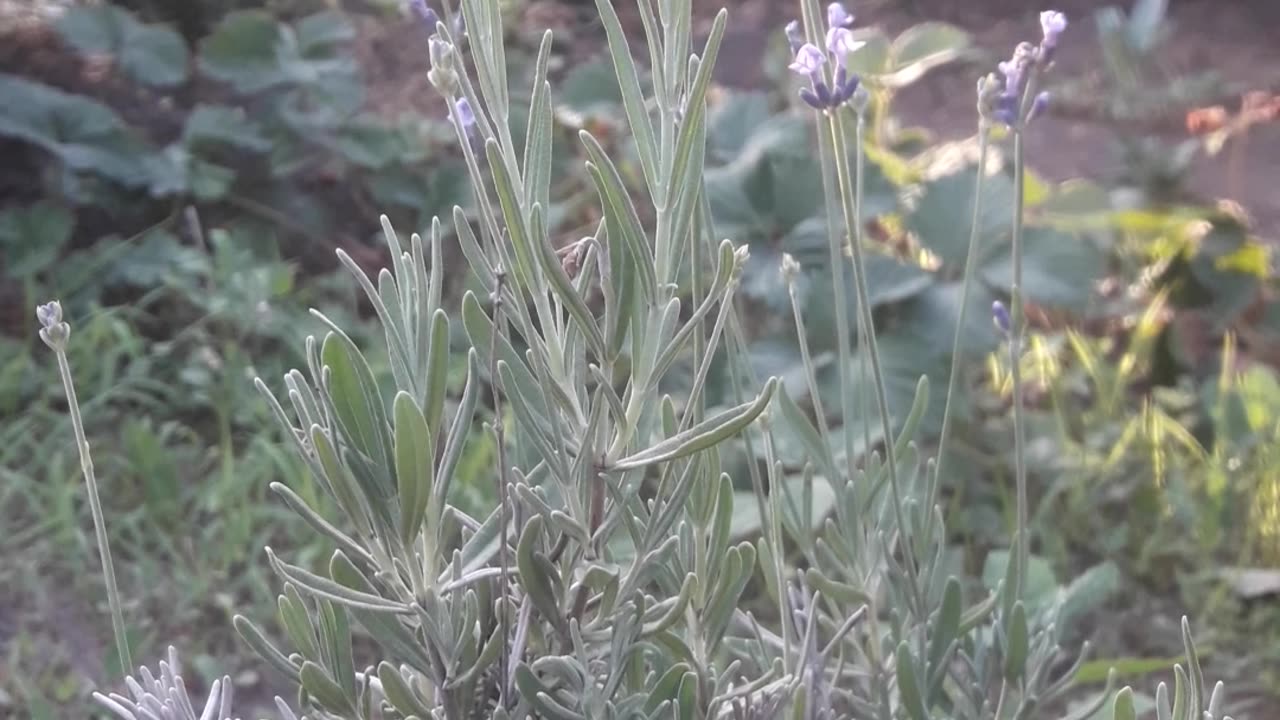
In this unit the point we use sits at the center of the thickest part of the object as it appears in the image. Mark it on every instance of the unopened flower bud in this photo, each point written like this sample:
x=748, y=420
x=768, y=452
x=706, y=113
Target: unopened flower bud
x=1000, y=316
x=795, y=36
x=53, y=331
x=424, y=13
x=790, y=268
x=838, y=16
x=443, y=74
x=49, y=314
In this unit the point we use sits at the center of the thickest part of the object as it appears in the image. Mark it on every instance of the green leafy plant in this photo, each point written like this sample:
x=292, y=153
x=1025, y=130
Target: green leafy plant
x=611, y=578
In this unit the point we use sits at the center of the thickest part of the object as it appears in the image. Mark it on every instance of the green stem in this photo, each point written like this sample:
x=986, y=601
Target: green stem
x=970, y=269
x=1015, y=353
x=99, y=523
x=853, y=230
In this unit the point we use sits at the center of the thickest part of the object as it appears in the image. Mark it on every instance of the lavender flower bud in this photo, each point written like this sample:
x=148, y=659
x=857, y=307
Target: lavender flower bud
x=823, y=92
x=443, y=74
x=53, y=331
x=838, y=16
x=795, y=36
x=1000, y=316
x=840, y=43
x=790, y=268
x=49, y=314
x=425, y=14
x=466, y=116
x=808, y=60
x=811, y=99
x=1052, y=23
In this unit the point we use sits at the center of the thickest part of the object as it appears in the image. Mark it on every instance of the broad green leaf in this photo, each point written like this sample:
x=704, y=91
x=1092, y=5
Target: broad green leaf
x=872, y=59
x=1058, y=269
x=942, y=215
x=33, y=237
x=243, y=50
x=746, y=512
x=83, y=133
x=151, y=54
x=1041, y=585
x=587, y=92
x=921, y=48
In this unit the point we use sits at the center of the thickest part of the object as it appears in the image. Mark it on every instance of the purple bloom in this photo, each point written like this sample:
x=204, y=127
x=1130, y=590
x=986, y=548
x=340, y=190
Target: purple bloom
x=466, y=116
x=424, y=13
x=809, y=60
x=811, y=99
x=49, y=314
x=840, y=43
x=1000, y=316
x=795, y=36
x=1052, y=23
x=838, y=17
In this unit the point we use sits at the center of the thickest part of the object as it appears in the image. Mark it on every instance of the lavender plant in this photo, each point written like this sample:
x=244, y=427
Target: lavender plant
x=606, y=583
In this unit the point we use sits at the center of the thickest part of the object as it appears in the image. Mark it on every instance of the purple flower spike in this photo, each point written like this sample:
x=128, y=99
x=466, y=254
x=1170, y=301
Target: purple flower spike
x=1000, y=316
x=1052, y=23
x=840, y=43
x=811, y=99
x=809, y=60
x=838, y=17
x=795, y=36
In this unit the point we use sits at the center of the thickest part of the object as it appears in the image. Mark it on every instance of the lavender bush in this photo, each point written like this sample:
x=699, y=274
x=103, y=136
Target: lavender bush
x=608, y=583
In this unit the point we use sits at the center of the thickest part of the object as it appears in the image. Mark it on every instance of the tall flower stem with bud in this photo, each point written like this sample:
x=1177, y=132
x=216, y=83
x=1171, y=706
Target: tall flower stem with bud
x=55, y=333
x=966, y=283
x=1017, y=325
x=849, y=200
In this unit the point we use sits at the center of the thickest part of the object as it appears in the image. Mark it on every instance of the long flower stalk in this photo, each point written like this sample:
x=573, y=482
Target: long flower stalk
x=966, y=284
x=55, y=334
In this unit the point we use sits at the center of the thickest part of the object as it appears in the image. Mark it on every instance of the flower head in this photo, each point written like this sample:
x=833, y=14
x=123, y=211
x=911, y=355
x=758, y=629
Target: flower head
x=425, y=14
x=1052, y=23
x=795, y=36
x=838, y=16
x=808, y=60
x=1000, y=316
x=840, y=43
x=53, y=331
x=49, y=314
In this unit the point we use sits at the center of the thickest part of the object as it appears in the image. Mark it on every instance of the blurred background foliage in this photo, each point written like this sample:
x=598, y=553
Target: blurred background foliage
x=180, y=174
